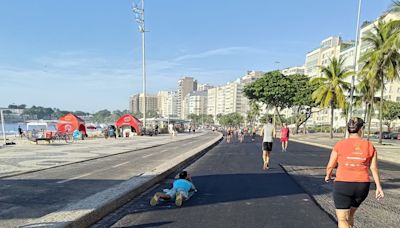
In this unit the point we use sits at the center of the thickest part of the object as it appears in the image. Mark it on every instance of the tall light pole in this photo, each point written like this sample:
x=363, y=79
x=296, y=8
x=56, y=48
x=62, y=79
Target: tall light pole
x=139, y=13
x=2, y=126
x=350, y=111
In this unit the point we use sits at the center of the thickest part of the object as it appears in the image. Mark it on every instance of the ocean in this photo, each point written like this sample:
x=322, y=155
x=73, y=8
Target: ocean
x=12, y=128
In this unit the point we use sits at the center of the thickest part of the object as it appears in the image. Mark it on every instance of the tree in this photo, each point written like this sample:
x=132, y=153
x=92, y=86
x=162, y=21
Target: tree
x=230, y=120
x=39, y=112
x=391, y=112
x=302, y=100
x=102, y=116
x=81, y=113
x=332, y=86
x=273, y=89
x=366, y=97
x=381, y=60
x=253, y=113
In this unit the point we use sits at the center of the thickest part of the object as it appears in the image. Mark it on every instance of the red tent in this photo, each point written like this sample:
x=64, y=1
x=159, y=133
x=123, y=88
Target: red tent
x=70, y=122
x=129, y=120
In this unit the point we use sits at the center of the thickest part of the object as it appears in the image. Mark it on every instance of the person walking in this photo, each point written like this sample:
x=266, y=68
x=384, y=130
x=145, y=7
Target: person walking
x=284, y=137
x=268, y=133
x=20, y=132
x=352, y=157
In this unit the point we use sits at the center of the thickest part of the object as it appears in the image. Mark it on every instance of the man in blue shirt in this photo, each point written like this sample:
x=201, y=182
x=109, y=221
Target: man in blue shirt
x=182, y=189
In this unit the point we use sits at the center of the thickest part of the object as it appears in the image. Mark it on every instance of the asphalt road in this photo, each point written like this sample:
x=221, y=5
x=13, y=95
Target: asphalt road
x=34, y=195
x=233, y=192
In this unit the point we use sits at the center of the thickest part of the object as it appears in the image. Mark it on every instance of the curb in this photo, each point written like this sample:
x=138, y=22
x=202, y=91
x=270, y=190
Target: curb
x=93, y=208
x=82, y=161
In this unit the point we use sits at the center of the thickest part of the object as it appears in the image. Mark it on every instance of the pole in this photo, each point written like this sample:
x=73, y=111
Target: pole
x=2, y=127
x=355, y=62
x=143, y=67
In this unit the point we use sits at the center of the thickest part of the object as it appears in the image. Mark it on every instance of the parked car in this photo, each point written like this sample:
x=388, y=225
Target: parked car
x=386, y=135
x=395, y=135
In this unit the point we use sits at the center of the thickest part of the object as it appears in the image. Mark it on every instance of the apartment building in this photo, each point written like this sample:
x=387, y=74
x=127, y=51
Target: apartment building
x=136, y=103
x=185, y=86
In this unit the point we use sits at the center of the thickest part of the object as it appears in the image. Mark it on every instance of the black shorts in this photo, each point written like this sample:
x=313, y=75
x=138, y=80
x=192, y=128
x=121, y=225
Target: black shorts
x=267, y=146
x=349, y=194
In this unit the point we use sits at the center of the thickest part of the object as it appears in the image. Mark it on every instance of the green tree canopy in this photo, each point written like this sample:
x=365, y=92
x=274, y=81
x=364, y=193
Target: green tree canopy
x=391, y=112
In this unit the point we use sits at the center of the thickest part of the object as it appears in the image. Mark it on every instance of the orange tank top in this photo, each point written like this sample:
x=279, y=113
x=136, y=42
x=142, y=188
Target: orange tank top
x=354, y=159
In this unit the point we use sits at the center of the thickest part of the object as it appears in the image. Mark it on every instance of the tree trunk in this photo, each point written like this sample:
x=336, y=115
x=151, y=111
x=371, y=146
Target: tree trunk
x=332, y=111
x=279, y=116
x=366, y=111
x=370, y=106
x=381, y=112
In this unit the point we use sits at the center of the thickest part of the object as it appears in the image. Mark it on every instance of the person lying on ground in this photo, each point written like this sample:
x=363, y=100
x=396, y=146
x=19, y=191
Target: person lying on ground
x=182, y=189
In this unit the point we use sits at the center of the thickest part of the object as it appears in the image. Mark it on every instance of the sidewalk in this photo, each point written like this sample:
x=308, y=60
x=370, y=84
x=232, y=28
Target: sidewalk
x=25, y=157
x=307, y=167
x=388, y=151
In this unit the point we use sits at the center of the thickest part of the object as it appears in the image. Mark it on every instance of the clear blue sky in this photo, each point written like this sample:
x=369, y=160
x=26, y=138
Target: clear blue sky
x=85, y=55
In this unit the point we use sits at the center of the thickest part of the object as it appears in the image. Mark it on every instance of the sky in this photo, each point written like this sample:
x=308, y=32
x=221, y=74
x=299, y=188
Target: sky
x=86, y=55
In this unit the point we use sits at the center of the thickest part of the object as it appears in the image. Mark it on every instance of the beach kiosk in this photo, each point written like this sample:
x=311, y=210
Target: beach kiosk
x=69, y=123
x=128, y=125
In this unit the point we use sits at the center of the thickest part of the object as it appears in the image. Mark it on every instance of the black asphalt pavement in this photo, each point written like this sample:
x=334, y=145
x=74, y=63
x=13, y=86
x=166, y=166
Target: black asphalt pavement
x=34, y=195
x=234, y=191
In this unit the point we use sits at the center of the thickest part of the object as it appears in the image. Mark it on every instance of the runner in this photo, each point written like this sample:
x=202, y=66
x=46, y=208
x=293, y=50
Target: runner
x=182, y=189
x=253, y=134
x=284, y=137
x=353, y=156
x=268, y=133
x=241, y=135
x=228, y=135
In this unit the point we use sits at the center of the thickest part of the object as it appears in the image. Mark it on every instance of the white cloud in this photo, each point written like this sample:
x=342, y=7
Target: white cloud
x=216, y=52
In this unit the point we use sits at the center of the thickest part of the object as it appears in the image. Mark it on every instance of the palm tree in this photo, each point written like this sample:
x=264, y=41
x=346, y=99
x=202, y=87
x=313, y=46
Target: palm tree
x=381, y=60
x=332, y=87
x=367, y=97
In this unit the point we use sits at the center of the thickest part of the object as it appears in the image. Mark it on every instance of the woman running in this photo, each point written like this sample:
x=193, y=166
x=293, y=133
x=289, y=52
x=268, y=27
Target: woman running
x=284, y=137
x=353, y=157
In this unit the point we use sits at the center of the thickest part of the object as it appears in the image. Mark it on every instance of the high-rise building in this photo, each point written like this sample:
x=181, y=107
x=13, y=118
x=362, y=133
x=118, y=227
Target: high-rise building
x=136, y=103
x=293, y=70
x=230, y=98
x=195, y=103
x=392, y=89
x=329, y=48
x=185, y=86
x=204, y=87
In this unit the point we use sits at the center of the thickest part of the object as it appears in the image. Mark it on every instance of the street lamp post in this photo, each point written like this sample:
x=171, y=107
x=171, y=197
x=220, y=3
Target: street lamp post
x=350, y=111
x=139, y=13
x=2, y=126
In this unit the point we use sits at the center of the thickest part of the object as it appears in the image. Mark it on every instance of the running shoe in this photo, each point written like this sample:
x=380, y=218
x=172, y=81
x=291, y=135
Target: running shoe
x=178, y=199
x=154, y=199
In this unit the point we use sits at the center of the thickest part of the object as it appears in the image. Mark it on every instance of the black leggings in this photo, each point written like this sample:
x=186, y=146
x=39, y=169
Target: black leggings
x=349, y=194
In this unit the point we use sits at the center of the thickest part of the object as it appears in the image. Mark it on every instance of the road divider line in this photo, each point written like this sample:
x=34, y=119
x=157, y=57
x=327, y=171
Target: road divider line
x=115, y=166
x=74, y=178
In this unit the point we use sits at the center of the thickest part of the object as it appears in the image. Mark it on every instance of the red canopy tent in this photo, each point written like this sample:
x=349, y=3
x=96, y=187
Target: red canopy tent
x=69, y=123
x=129, y=120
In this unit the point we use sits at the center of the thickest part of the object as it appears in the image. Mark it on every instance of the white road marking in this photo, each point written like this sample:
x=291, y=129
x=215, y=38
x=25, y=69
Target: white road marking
x=148, y=155
x=74, y=178
x=115, y=166
x=163, y=151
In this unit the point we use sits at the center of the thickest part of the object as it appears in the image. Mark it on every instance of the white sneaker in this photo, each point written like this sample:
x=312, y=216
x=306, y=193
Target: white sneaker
x=154, y=199
x=178, y=199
